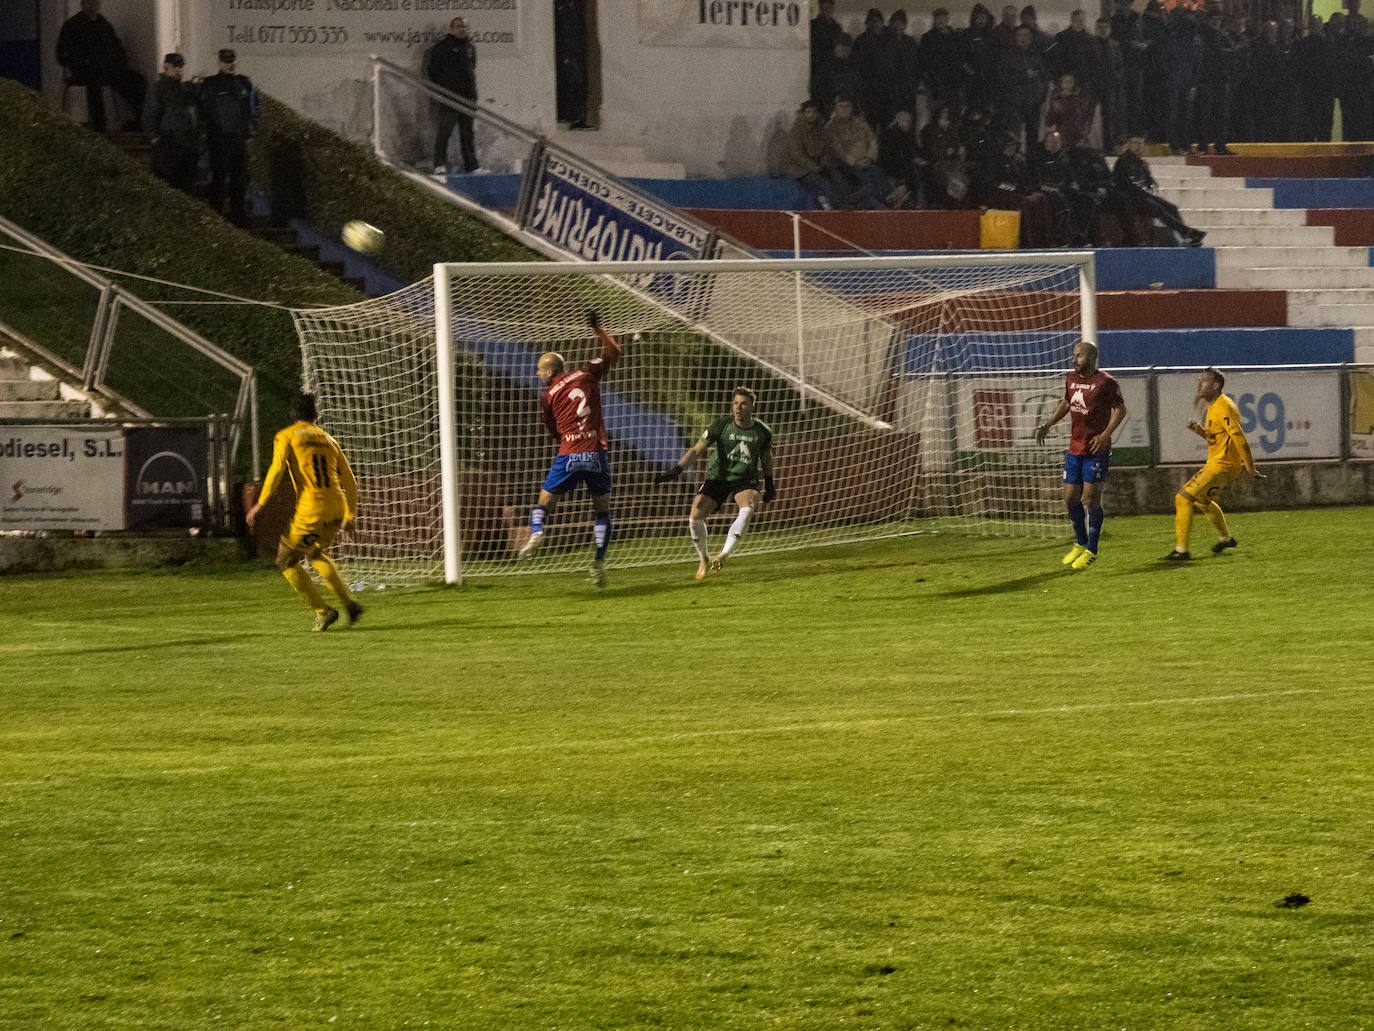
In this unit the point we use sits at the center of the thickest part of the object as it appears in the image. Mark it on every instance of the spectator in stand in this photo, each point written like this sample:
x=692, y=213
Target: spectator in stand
x=804, y=159
x=1155, y=109
x=1074, y=51
x=943, y=157
x=1052, y=177
x=875, y=86
x=1041, y=41
x=229, y=107
x=1212, y=109
x=89, y=50
x=1005, y=32
x=1000, y=179
x=171, y=119
x=981, y=57
x=1129, y=35
x=851, y=156
x=1069, y=112
x=977, y=133
x=1313, y=68
x=1355, y=23
x=1022, y=79
x=1182, y=54
x=452, y=65
x=838, y=76
x=1134, y=191
x=901, y=56
x=899, y=156
x=824, y=31
x=1242, y=124
x=942, y=62
x=1357, y=99
x=1270, y=86
x=1109, y=74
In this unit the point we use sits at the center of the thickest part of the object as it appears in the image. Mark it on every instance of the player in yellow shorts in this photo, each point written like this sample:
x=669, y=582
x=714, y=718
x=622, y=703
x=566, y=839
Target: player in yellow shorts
x=1228, y=455
x=326, y=505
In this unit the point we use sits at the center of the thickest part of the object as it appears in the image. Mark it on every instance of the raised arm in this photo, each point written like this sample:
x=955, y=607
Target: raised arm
x=688, y=459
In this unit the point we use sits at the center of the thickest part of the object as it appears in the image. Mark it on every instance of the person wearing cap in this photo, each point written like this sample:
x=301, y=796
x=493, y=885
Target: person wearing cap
x=942, y=61
x=229, y=106
x=171, y=118
x=93, y=56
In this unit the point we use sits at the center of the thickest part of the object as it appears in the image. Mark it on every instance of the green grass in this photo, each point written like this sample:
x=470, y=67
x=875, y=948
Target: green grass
x=925, y=783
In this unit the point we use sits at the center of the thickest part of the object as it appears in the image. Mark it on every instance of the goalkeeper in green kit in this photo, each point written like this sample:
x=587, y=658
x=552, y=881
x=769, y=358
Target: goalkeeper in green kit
x=740, y=452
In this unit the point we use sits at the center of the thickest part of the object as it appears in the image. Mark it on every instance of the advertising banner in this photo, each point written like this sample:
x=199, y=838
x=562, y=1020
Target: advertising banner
x=1285, y=415
x=396, y=29
x=1001, y=415
x=167, y=474
x=595, y=219
x=752, y=24
x=61, y=478
x=1361, y=413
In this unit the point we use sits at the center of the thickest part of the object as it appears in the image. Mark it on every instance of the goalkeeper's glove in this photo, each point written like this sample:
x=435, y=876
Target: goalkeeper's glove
x=668, y=474
x=593, y=320
x=770, y=489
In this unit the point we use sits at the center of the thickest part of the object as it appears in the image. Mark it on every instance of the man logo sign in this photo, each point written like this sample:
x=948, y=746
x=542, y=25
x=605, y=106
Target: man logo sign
x=167, y=476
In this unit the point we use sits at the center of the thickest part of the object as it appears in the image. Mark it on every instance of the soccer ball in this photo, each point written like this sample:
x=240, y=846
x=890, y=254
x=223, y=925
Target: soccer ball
x=363, y=237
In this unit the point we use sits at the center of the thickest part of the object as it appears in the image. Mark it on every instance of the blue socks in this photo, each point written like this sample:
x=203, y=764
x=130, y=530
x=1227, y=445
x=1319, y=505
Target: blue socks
x=1094, y=528
x=1080, y=528
x=537, y=519
x=601, y=533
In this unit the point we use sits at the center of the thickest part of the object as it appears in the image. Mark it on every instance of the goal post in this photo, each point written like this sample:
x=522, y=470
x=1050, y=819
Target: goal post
x=902, y=393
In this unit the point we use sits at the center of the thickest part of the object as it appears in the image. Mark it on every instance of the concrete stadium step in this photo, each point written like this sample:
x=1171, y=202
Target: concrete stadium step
x=1218, y=194
x=1331, y=315
x=1266, y=236
x=1240, y=278
x=44, y=409
x=1364, y=345
x=1292, y=257
x=12, y=368
x=30, y=390
x=1207, y=218
x=1348, y=295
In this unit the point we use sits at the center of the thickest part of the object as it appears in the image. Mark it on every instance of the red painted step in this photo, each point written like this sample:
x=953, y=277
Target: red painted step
x=1354, y=226
x=1324, y=166
x=842, y=230
x=1190, y=309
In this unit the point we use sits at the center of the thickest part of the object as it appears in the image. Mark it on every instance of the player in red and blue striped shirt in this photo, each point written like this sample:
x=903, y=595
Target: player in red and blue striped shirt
x=571, y=405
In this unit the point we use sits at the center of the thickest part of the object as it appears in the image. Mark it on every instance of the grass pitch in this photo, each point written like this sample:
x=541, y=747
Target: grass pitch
x=925, y=783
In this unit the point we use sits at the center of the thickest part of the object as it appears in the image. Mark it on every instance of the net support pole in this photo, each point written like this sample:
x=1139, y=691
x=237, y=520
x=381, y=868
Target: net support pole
x=797, y=304
x=1087, y=295
x=448, y=451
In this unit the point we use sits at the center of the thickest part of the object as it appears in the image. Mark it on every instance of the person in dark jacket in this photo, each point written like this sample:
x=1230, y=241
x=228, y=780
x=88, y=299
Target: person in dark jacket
x=1312, y=66
x=981, y=56
x=229, y=106
x=837, y=76
x=1182, y=59
x=91, y=52
x=942, y=60
x=1023, y=82
x=824, y=31
x=171, y=119
x=1134, y=190
x=1212, y=111
x=875, y=84
x=452, y=65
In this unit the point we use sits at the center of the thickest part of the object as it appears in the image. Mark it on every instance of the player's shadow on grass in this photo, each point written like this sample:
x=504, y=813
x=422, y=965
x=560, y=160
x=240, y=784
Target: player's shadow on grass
x=1019, y=583
x=149, y=646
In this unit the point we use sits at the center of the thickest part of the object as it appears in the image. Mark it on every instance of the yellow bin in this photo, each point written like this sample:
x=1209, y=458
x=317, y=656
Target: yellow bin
x=1000, y=230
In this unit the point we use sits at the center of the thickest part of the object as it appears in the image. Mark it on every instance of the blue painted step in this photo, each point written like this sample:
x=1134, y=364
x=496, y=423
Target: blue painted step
x=1319, y=193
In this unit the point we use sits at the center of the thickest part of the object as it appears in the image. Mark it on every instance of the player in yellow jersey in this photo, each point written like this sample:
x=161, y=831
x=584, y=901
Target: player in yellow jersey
x=326, y=505
x=1228, y=455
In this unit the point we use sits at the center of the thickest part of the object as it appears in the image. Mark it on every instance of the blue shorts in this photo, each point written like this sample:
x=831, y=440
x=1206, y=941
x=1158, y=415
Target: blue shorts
x=590, y=467
x=1087, y=468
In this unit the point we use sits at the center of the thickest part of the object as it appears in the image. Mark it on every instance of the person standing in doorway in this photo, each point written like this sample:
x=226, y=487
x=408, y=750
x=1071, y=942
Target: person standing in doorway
x=452, y=66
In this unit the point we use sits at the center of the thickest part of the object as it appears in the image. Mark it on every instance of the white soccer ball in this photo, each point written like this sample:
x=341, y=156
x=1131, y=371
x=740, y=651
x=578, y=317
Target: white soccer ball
x=363, y=237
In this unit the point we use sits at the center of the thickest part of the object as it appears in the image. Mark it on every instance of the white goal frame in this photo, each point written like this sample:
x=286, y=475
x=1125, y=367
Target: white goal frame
x=448, y=275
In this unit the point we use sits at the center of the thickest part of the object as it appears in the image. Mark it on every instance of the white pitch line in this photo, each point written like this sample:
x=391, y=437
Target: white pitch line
x=784, y=728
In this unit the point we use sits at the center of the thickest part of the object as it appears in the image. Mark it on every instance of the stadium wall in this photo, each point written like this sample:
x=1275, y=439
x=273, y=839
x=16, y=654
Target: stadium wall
x=717, y=100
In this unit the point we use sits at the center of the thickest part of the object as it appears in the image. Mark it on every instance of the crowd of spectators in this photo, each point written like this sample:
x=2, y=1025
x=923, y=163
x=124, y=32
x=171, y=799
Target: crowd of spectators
x=969, y=117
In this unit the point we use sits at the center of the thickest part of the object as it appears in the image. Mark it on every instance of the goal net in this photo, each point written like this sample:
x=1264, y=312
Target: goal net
x=903, y=396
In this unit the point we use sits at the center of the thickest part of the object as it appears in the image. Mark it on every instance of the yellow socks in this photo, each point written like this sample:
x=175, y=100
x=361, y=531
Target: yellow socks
x=1183, y=521
x=301, y=583
x=1218, y=518
x=329, y=573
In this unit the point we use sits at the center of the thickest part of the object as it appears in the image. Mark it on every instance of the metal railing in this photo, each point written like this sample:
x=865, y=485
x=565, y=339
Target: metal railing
x=122, y=362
